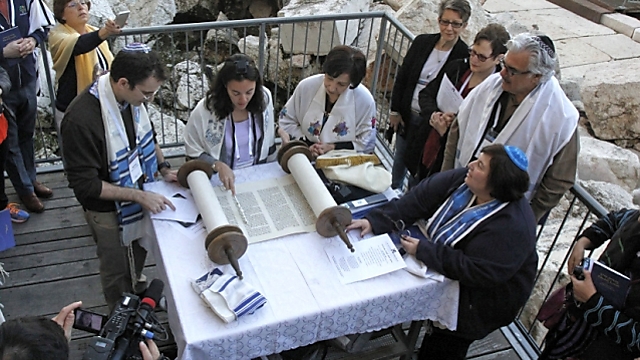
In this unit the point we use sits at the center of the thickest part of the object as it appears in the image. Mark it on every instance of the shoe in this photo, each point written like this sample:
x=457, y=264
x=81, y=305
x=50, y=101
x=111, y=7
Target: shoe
x=17, y=215
x=32, y=203
x=41, y=190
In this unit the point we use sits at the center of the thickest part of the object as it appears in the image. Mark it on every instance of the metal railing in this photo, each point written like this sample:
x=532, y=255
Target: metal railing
x=290, y=49
x=286, y=50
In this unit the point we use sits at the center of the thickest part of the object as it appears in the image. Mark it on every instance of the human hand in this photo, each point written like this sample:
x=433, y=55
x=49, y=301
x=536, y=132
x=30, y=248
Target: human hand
x=284, y=136
x=395, y=121
x=583, y=290
x=169, y=175
x=66, y=317
x=410, y=244
x=318, y=149
x=448, y=117
x=153, y=202
x=149, y=350
x=226, y=175
x=363, y=224
x=27, y=45
x=110, y=28
x=12, y=50
x=439, y=123
x=577, y=254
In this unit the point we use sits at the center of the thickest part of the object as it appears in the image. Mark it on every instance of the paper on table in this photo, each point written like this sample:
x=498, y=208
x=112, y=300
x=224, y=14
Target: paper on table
x=373, y=257
x=448, y=98
x=168, y=189
x=186, y=211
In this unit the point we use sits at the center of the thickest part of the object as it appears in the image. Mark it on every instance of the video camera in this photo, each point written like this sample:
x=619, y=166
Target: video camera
x=131, y=321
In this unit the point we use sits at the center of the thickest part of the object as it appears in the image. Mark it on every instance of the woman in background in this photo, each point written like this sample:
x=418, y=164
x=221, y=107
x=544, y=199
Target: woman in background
x=332, y=110
x=233, y=126
x=425, y=144
x=79, y=50
x=426, y=56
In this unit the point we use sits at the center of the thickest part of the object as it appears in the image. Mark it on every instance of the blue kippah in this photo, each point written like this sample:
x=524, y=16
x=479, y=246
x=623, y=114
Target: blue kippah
x=517, y=156
x=137, y=47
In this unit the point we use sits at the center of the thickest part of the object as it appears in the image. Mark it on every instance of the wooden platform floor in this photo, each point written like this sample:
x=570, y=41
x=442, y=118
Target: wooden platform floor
x=54, y=263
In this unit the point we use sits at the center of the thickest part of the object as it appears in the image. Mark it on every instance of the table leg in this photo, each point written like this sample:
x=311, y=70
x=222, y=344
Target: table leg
x=411, y=339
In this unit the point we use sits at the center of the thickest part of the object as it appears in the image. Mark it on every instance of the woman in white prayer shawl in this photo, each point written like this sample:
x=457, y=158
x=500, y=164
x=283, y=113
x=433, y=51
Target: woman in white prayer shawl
x=233, y=126
x=332, y=110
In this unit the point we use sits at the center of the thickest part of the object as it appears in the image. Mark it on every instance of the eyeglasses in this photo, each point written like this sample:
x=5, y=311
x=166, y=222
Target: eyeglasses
x=512, y=71
x=147, y=95
x=75, y=3
x=480, y=57
x=454, y=24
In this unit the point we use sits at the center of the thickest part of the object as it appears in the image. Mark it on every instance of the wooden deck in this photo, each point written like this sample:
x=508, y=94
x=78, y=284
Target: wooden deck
x=54, y=263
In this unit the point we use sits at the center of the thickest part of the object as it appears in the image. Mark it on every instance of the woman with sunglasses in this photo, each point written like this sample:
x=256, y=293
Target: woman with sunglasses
x=426, y=56
x=425, y=145
x=233, y=126
x=79, y=50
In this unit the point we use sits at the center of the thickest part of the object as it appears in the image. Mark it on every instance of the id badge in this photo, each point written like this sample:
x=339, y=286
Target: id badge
x=489, y=138
x=135, y=169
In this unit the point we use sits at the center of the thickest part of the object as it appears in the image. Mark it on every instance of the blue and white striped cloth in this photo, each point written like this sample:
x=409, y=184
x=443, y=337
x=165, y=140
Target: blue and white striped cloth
x=228, y=296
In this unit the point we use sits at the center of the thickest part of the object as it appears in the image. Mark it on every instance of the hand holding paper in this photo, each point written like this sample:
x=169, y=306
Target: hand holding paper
x=448, y=99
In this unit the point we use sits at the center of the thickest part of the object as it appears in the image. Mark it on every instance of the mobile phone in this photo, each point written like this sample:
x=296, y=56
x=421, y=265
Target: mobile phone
x=88, y=320
x=121, y=18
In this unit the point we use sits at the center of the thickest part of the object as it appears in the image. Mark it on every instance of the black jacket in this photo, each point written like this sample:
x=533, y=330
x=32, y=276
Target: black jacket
x=428, y=105
x=495, y=263
x=409, y=73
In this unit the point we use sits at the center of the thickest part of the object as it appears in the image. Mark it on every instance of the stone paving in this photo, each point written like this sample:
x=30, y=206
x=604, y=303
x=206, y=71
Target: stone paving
x=581, y=44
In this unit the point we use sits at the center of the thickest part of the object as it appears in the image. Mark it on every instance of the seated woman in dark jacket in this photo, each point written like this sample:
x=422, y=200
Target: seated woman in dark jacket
x=615, y=332
x=481, y=232
x=425, y=145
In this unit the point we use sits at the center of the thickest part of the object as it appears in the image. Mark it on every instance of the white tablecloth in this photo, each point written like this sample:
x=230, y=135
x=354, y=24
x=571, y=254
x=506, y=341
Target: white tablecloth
x=305, y=300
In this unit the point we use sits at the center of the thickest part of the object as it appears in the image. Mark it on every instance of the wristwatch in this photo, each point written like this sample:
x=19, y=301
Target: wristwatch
x=164, y=164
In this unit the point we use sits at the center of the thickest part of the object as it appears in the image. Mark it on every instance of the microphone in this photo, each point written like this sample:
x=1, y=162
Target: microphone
x=149, y=301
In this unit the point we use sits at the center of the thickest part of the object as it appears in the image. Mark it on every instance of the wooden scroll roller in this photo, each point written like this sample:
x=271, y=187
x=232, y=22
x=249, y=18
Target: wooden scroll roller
x=294, y=158
x=225, y=243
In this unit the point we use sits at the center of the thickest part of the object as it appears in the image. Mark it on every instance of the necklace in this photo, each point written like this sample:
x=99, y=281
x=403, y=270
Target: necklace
x=439, y=60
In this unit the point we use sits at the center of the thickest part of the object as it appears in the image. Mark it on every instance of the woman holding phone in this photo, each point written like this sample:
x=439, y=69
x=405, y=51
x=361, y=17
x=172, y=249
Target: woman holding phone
x=79, y=50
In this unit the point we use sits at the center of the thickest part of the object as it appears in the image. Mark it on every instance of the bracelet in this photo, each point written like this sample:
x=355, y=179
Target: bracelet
x=393, y=113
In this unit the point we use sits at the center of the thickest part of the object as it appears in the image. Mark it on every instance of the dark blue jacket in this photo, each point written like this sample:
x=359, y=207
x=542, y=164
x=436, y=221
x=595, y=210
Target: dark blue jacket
x=24, y=71
x=495, y=263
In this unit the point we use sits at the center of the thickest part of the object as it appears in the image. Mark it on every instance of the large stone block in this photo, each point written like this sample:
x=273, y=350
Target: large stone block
x=603, y=161
x=610, y=96
x=319, y=37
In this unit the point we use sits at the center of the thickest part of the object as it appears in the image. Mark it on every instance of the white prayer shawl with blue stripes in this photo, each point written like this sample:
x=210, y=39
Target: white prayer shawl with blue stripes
x=129, y=213
x=457, y=217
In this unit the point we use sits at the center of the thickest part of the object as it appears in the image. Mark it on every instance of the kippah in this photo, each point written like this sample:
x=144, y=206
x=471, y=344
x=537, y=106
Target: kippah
x=137, y=47
x=517, y=156
x=546, y=44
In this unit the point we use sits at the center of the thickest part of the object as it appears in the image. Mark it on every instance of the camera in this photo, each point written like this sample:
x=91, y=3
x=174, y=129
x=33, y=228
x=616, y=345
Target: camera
x=131, y=321
x=578, y=272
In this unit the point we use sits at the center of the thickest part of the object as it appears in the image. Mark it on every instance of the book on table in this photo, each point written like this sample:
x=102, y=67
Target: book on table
x=612, y=284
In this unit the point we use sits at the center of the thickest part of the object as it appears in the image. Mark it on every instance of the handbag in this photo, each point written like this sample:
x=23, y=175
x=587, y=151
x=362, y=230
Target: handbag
x=552, y=311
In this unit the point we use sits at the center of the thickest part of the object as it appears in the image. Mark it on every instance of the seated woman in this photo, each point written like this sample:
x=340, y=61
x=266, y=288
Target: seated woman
x=425, y=145
x=79, y=50
x=233, y=126
x=476, y=217
x=332, y=110
x=614, y=332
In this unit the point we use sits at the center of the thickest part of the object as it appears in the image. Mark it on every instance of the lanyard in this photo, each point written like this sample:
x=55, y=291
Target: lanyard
x=235, y=136
x=119, y=124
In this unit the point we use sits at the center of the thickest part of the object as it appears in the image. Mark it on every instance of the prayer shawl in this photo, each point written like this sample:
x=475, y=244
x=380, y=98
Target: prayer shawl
x=62, y=40
x=541, y=126
x=352, y=117
x=457, y=217
x=129, y=213
x=205, y=133
x=40, y=16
